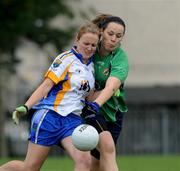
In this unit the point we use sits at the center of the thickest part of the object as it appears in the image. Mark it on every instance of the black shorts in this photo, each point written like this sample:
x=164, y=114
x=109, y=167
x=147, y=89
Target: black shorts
x=114, y=128
x=97, y=121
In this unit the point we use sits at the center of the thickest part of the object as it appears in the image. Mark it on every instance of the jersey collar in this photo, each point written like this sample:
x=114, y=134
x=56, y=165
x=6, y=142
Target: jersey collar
x=111, y=53
x=115, y=51
x=79, y=56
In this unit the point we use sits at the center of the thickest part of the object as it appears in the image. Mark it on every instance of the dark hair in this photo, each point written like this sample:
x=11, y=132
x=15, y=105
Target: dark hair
x=103, y=20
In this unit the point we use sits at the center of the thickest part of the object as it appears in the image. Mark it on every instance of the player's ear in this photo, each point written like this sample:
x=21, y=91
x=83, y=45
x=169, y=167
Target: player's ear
x=101, y=34
x=76, y=39
x=101, y=31
x=100, y=38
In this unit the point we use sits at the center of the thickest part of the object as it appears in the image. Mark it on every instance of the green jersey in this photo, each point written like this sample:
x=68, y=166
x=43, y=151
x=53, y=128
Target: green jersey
x=115, y=65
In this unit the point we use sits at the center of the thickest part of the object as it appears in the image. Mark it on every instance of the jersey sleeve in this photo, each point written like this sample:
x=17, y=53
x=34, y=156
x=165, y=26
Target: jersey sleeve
x=59, y=68
x=120, y=66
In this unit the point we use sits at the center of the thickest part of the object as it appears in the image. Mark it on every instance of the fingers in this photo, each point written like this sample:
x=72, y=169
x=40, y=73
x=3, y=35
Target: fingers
x=117, y=93
x=15, y=117
x=22, y=109
x=19, y=111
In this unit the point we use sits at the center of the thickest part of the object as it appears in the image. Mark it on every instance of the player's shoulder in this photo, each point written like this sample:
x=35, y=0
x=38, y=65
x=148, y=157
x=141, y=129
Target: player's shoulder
x=119, y=52
x=63, y=59
x=120, y=57
x=67, y=55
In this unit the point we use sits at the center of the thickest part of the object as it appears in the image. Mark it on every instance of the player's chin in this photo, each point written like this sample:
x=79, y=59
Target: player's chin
x=111, y=48
x=89, y=55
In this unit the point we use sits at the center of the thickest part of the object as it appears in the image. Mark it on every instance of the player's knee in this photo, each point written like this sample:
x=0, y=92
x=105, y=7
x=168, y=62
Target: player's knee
x=109, y=148
x=35, y=166
x=107, y=144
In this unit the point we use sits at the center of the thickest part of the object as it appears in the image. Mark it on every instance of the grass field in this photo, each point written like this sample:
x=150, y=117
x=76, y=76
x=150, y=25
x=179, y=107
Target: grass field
x=125, y=163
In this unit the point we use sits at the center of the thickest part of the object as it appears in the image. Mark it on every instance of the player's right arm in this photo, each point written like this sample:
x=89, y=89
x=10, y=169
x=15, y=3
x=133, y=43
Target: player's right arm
x=36, y=96
x=40, y=92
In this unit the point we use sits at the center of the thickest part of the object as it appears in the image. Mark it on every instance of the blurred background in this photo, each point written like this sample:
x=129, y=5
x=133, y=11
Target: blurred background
x=33, y=32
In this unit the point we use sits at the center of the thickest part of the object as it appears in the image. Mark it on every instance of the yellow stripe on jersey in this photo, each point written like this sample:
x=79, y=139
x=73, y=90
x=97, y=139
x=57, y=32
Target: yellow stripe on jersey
x=65, y=56
x=65, y=87
x=62, y=77
x=52, y=76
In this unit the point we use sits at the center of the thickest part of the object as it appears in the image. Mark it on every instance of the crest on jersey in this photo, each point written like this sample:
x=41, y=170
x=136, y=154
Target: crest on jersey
x=56, y=63
x=106, y=72
x=85, y=86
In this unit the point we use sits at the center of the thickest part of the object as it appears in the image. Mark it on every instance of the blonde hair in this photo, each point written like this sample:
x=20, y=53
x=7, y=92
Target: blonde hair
x=88, y=28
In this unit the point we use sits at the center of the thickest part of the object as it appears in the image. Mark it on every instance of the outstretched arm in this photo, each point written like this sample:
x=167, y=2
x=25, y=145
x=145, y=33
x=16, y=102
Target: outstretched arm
x=112, y=85
x=37, y=95
x=40, y=92
x=100, y=97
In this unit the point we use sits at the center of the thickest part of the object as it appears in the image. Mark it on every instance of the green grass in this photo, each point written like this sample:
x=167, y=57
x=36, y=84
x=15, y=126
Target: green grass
x=125, y=163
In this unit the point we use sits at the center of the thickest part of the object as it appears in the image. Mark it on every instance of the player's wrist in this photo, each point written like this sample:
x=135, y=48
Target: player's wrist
x=97, y=103
x=26, y=107
x=96, y=106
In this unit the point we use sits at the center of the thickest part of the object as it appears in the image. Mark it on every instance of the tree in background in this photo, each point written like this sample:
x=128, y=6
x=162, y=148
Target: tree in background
x=27, y=19
x=30, y=19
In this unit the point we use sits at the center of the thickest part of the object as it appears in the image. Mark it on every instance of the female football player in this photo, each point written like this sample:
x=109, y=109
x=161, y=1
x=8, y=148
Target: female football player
x=106, y=111
x=58, y=104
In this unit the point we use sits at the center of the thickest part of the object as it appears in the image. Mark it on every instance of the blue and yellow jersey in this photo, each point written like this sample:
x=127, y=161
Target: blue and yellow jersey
x=73, y=81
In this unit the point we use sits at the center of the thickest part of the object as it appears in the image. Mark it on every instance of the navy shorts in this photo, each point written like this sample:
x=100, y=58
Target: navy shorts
x=115, y=129
x=49, y=128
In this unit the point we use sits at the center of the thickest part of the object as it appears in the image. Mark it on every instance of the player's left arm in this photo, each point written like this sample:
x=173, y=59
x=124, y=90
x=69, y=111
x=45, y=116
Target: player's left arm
x=93, y=95
x=119, y=72
x=112, y=85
